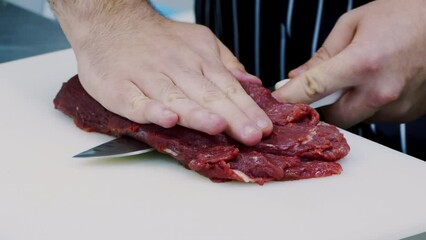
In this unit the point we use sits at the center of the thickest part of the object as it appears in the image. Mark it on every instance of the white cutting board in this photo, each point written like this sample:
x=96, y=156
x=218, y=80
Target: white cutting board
x=45, y=194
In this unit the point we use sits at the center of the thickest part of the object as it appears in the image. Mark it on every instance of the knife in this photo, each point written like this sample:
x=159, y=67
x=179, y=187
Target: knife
x=127, y=146
x=120, y=147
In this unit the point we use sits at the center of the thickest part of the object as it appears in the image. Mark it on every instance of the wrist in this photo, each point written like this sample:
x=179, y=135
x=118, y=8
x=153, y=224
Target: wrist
x=86, y=22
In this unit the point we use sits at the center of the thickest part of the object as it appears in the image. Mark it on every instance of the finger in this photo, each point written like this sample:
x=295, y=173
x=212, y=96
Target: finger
x=400, y=111
x=322, y=80
x=233, y=91
x=234, y=66
x=125, y=98
x=191, y=115
x=339, y=38
x=400, y=104
x=354, y=107
x=208, y=95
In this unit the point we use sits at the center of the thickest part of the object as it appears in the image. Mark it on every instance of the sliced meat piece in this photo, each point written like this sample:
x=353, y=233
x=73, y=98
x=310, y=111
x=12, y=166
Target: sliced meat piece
x=312, y=169
x=309, y=142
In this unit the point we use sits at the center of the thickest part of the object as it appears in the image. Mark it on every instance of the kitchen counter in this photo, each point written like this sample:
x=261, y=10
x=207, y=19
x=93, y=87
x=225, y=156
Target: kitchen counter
x=46, y=194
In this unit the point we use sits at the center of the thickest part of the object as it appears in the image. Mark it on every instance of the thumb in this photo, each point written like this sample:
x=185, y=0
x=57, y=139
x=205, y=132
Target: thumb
x=321, y=80
x=344, y=71
x=338, y=39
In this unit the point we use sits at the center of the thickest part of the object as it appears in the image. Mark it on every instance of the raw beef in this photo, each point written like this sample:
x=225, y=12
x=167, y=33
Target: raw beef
x=299, y=147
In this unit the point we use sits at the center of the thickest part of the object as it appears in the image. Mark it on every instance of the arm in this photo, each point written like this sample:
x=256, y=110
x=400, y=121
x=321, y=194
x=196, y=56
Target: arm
x=149, y=69
x=376, y=52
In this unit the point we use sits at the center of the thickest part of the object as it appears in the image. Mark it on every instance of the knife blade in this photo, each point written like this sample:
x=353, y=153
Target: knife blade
x=127, y=146
x=120, y=147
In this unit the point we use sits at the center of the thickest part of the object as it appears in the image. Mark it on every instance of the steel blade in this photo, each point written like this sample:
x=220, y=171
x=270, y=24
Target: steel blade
x=119, y=147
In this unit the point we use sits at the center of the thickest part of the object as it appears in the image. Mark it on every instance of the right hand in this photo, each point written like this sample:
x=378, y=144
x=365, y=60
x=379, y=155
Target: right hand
x=167, y=73
x=382, y=73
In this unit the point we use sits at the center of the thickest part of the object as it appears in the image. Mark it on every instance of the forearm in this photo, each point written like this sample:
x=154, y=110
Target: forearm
x=84, y=20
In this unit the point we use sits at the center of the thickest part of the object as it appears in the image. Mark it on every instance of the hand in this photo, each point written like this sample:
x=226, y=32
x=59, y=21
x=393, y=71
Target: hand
x=377, y=53
x=153, y=70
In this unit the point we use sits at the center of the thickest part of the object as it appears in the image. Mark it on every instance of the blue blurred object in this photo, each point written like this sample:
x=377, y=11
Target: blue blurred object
x=166, y=11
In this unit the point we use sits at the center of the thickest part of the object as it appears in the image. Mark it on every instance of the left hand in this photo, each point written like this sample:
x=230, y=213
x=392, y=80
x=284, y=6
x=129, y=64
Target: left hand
x=378, y=53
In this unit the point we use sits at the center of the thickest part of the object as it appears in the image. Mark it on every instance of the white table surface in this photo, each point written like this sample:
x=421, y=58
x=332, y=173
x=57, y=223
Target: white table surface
x=46, y=194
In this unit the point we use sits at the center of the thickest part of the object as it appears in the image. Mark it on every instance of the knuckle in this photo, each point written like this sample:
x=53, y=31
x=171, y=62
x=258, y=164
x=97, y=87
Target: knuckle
x=344, y=18
x=205, y=31
x=137, y=102
x=174, y=96
x=188, y=72
x=322, y=54
x=313, y=86
x=204, y=28
x=368, y=63
x=138, y=105
x=384, y=96
x=170, y=93
x=233, y=90
x=210, y=96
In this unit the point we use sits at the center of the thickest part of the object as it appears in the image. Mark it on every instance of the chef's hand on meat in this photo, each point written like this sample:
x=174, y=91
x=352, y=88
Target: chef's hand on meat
x=377, y=52
x=148, y=69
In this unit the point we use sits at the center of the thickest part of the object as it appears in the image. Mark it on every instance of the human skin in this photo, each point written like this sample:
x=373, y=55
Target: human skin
x=377, y=54
x=149, y=69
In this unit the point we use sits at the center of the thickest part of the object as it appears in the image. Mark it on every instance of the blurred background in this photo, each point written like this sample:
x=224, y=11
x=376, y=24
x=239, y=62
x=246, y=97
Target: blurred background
x=29, y=28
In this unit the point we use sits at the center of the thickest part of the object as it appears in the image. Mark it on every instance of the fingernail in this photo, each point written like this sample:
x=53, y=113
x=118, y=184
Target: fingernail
x=262, y=124
x=249, y=131
x=215, y=118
